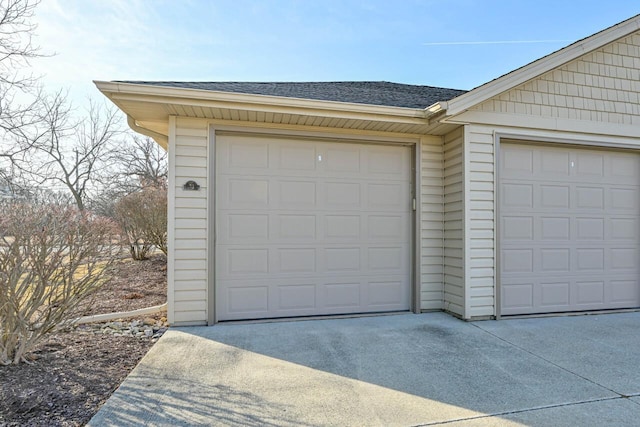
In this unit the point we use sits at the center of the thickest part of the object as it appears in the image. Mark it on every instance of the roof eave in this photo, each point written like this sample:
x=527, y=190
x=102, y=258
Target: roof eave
x=115, y=90
x=541, y=66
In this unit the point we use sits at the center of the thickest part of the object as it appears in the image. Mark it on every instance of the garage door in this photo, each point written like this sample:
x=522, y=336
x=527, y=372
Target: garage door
x=311, y=228
x=568, y=229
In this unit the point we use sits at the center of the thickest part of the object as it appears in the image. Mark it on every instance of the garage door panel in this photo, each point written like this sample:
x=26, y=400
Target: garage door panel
x=624, y=199
x=555, y=163
x=554, y=196
x=517, y=162
x=385, y=196
x=342, y=259
x=386, y=294
x=243, y=226
x=242, y=192
x=248, y=154
x=331, y=239
x=297, y=297
x=623, y=259
x=343, y=158
x=295, y=157
x=293, y=227
x=590, y=259
x=555, y=295
x=590, y=228
x=297, y=260
x=388, y=259
x=553, y=228
x=589, y=197
x=624, y=291
x=590, y=293
x=555, y=260
x=577, y=247
x=517, y=260
x=342, y=227
x=342, y=195
x=517, y=195
x=589, y=164
x=516, y=297
x=385, y=161
x=295, y=195
x=247, y=299
x=625, y=168
x=387, y=227
x=343, y=296
x=517, y=228
x=247, y=261
x=624, y=228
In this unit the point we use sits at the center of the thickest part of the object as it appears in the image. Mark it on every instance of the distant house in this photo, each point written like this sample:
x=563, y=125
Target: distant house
x=521, y=196
x=6, y=192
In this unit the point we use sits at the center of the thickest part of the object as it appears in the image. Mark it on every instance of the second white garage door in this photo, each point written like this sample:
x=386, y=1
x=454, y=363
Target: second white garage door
x=311, y=227
x=568, y=229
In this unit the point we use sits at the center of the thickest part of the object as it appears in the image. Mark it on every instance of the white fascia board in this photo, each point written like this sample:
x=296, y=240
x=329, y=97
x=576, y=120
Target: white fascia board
x=198, y=97
x=542, y=65
x=523, y=121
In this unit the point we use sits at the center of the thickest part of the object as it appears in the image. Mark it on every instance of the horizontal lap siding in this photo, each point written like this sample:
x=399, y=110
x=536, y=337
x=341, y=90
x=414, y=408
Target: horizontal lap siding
x=453, y=183
x=601, y=86
x=190, y=240
x=480, y=223
x=431, y=232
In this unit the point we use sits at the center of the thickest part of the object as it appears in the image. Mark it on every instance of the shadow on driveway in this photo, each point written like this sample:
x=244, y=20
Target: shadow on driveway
x=386, y=370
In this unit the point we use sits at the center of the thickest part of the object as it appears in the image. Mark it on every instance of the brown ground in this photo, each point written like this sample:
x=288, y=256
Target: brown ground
x=74, y=372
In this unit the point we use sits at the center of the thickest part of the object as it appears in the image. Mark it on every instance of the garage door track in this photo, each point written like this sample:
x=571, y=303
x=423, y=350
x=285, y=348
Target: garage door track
x=397, y=370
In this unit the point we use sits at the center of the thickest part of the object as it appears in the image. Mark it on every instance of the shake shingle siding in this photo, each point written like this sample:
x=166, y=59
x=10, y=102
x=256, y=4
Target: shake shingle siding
x=602, y=86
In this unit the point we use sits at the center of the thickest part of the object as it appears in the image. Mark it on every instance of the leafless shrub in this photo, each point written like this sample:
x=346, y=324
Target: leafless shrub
x=51, y=258
x=142, y=216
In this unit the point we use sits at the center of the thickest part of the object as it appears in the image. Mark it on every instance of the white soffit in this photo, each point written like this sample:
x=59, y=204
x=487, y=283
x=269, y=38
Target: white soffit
x=148, y=103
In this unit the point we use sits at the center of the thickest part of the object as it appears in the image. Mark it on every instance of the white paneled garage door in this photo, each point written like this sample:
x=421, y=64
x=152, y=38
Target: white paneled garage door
x=568, y=229
x=311, y=227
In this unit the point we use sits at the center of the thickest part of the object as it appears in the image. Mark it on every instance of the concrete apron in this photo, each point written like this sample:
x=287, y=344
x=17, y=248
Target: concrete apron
x=401, y=370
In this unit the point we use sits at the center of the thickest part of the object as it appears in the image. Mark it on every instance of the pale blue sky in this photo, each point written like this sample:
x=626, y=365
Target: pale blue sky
x=449, y=43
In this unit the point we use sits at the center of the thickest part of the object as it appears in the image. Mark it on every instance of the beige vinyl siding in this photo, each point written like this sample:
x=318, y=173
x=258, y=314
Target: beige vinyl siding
x=188, y=248
x=480, y=223
x=601, y=86
x=453, y=185
x=431, y=222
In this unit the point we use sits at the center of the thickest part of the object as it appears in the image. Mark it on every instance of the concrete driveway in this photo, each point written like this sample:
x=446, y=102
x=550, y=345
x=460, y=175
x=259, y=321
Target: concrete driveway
x=400, y=370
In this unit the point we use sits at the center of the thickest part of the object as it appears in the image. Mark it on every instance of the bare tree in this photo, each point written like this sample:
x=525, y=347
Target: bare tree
x=68, y=154
x=146, y=162
x=16, y=47
x=19, y=93
x=141, y=164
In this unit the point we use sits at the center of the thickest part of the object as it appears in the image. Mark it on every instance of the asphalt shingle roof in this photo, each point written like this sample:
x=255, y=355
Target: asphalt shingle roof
x=372, y=93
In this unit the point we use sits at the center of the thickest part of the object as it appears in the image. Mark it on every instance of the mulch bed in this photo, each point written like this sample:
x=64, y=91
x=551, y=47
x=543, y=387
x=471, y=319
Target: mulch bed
x=74, y=372
x=133, y=285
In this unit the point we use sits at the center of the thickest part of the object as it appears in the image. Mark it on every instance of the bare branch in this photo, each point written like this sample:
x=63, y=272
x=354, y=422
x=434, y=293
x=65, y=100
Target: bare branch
x=66, y=153
x=16, y=44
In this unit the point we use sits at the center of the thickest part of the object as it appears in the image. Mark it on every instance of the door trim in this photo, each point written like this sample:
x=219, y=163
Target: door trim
x=517, y=138
x=414, y=217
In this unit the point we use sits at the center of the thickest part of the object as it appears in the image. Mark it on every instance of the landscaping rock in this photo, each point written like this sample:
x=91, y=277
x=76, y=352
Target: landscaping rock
x=146, y=329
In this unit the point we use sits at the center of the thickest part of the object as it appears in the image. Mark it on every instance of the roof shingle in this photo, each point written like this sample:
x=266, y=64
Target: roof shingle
x=372, y=93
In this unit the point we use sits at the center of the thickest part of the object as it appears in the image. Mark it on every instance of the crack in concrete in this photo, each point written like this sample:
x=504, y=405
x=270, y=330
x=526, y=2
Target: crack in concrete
x=620, y=395
x=520, y=411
